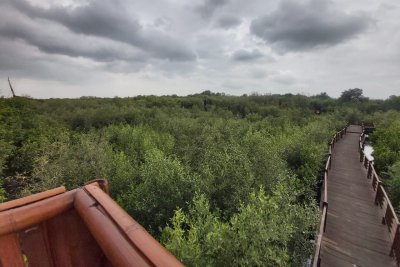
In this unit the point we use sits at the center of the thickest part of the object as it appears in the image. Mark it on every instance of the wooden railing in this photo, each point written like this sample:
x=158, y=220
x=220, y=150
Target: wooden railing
x=389, y=216
x=324, y=198
x=82, y=227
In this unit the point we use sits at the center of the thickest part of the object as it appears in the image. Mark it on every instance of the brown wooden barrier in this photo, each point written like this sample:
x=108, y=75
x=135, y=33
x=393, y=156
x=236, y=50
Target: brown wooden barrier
x=32, y=198
x=14, y=220
x=82, y=227
x=389, y=216
x=324, y=198
x=153, y=251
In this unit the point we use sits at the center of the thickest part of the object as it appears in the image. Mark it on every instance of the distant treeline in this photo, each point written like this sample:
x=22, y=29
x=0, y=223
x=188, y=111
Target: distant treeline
x=219, y=180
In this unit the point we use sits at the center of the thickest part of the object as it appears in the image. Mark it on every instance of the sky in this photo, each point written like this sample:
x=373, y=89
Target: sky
x=107, y=48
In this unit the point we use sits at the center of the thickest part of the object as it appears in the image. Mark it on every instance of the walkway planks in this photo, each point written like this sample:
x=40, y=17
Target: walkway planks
x=354, y=233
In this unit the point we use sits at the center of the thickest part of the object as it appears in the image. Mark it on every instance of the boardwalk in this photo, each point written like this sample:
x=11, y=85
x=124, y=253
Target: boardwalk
x=354, y=233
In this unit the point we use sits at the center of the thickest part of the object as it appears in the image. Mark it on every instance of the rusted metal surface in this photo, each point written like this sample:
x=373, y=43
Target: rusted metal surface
x=355, y=235
x=83, y=227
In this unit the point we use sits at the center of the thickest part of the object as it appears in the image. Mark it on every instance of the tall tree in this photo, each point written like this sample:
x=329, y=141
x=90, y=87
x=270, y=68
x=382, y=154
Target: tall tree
x=352, y=95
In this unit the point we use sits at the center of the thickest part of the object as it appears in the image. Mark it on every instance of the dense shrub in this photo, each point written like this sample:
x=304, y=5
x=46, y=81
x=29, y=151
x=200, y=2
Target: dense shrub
x=234, y=177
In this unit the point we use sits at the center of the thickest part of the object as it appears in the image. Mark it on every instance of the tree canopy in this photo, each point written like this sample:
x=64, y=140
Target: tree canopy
x=220, y=180
x=352, y=95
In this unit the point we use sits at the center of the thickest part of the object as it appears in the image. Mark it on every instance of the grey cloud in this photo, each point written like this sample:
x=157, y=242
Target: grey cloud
x=227, y=21
x=20, y=60
x=283, y=78
x=246, y=55
x=258, y=74
x=317, y=23
x=208, y=8
x=210, y=46
x=54, y=39
x=110, y=19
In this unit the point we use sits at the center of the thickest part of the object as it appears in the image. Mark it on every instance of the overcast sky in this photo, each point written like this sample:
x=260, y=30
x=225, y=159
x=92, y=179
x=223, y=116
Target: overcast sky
x=107, y=48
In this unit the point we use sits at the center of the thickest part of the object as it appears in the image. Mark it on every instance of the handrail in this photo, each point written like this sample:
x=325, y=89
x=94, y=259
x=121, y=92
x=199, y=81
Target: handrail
x=389, y=216
x=32, y=198
x=104, y=234
x=324, y=198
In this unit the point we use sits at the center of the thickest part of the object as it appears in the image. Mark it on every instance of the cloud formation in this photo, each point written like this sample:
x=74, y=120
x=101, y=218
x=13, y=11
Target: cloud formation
x=227, y=21
x=208, y=7
x=297, y=26
x=110, y=20
x=73, y=47
x=247, y=55
x=54, y=39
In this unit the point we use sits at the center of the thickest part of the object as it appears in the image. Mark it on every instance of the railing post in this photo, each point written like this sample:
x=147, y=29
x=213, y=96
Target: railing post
x=375, y=181
x=326, y=215
x=377, y=195
x=395, y=243
x=369, y=170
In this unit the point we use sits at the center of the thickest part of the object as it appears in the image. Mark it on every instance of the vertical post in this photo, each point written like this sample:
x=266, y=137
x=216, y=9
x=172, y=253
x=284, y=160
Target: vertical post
x=12, y=89
x=369, y=169
x=395, y=244
x=378, y=193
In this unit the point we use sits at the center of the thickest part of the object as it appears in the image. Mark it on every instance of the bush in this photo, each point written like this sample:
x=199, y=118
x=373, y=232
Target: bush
x=164, y=186
x=267, y=231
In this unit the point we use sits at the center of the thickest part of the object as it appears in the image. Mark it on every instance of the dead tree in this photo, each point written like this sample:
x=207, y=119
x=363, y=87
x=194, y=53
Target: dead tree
x=12, y=90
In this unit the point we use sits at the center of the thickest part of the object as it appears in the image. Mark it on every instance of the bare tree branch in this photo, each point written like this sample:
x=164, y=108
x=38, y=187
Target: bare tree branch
x=12, y=90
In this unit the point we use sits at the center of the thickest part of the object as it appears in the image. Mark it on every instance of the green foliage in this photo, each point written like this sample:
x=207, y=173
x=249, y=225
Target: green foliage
x=393, y=184
x=163, y=186
x=136, y=141
x=386, y=140
x=227, y=175
x=264, y=232
x=72, y=159
x=2, y=195
x=157, y=152
x=5, y=151
x=352, y=95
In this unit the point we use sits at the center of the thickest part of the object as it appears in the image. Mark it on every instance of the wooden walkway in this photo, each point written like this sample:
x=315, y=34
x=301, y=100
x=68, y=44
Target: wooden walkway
x=354, y=234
